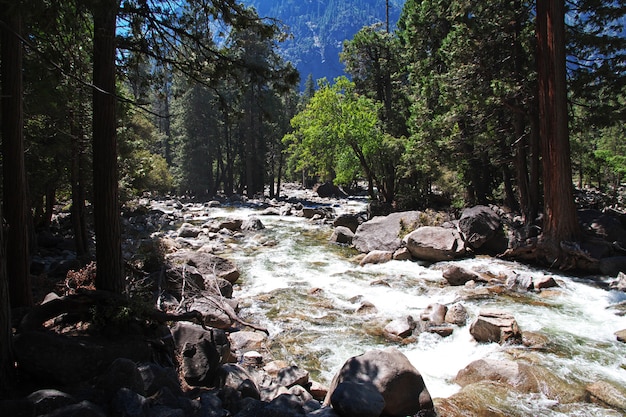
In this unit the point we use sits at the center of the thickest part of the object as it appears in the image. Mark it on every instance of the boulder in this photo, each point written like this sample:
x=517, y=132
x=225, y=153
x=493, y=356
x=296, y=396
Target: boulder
x=495, y=326
x=605, y=393
x=456, y=314
x=252, y=223
x=290, y=376
x=342, y=235
x=520, y=282
x=433, y=243
x=329, y=190
x=357, y=399
x=245, y=341
x=316, y=212
x=376, y=257
x=401, y=327
x=189, y=230
x=619, y=284
x=185, y=333
x=434, y=314
x=236, y=377
x=396, y=379
x=621, y=335
x=402, y=254
x=514, y=374
x=606, y=226
x=199, y=363
x=522, y=377
x=613, y=266
x=385, y=232
x=206, y=264
x=45, y=401
x=543, y=282
x=481, y=226
x=457, y=275
x=351, y=221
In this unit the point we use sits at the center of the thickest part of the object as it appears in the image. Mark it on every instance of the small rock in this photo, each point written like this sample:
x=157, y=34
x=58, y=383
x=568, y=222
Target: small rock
x=545, y=282
x=435, y=314
x=366, y=308
x=456, y=314
x=456, y=275
x=402, y=254
x=377, y=257
x=401, y=327
x=495, y=326
x=342, y=235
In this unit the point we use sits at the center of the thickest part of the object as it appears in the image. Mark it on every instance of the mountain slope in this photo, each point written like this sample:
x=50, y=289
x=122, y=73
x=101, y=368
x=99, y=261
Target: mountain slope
x=319, y=28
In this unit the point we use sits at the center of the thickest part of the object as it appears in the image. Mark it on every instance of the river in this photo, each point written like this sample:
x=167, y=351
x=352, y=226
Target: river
x=306, y=291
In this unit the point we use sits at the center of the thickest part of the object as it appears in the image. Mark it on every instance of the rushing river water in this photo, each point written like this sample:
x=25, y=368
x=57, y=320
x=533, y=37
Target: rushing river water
x=306, y=291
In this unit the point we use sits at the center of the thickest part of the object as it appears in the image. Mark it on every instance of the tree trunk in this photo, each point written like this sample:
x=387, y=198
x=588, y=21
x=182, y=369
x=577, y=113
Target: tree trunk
x=13, y=167
x=77, y=212
x=109, y=275
x=6, y=339
x=560, y=220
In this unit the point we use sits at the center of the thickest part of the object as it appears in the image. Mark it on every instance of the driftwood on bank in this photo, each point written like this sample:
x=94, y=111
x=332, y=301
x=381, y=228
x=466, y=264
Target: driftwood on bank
x=566, y=256
x=84, y=301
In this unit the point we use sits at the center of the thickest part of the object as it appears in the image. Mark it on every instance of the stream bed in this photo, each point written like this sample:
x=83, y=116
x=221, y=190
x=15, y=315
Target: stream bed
x=308, y=291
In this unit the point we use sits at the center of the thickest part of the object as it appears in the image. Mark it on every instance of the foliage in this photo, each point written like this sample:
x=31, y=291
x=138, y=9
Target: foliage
x=141, y=170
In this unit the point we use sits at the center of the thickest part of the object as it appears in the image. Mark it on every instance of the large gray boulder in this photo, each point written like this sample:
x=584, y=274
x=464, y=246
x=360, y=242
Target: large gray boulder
x=385, y=232
x=400, y=384
x=479, y=225
x=433, y=243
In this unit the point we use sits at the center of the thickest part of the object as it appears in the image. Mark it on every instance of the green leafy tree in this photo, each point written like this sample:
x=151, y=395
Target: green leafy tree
x=338, y=137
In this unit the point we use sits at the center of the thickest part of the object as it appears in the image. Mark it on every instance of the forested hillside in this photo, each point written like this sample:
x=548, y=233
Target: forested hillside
x=318, y=29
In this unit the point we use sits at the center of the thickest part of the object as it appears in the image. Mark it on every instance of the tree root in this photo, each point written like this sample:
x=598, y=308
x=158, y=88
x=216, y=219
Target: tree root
x=84, y=301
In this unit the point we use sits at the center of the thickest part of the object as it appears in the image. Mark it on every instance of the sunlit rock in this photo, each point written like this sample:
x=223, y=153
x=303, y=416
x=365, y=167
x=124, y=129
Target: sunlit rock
x=252, y=223
x=457, y=275
x=431, y=243
x=456, y=314
x=342, y=235
x=434, y=314
x=245, y=341
x=377, y=257
x=402, y=254
x=188, y=230
x=606, y=393
x=543, y=282
x=385, y=232
x=495, y=326
x=401, y=327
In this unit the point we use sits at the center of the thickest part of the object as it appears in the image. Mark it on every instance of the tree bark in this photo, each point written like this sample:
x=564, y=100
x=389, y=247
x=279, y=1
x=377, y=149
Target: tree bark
x=6, y=338
x=109, y=275
x=560, y=220
x=13, y=167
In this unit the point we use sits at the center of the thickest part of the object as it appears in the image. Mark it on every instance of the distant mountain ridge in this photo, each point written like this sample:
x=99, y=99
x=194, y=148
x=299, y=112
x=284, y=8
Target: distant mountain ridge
x=319, y=28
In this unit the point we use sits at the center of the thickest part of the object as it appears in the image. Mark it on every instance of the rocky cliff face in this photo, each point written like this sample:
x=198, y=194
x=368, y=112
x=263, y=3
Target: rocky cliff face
x=319, y=28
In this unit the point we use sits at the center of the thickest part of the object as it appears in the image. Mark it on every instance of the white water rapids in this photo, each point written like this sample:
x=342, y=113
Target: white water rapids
x=306, y=291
